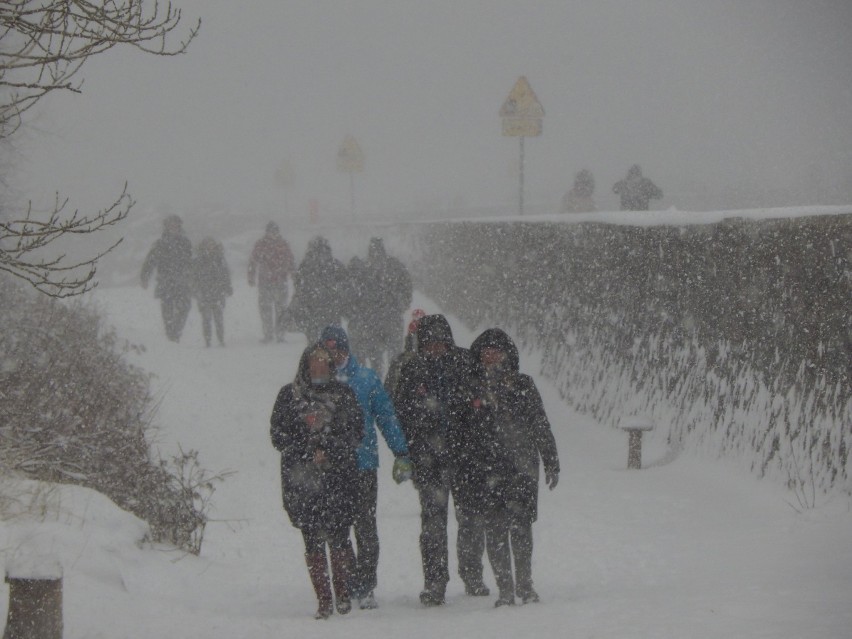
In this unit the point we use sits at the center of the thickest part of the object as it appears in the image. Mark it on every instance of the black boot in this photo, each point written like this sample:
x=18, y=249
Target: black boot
x=318, y=571
x=341, y=560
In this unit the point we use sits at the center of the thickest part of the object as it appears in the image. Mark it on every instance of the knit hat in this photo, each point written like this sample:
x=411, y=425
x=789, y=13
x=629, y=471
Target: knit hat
x=337, y=335
x=416, y=315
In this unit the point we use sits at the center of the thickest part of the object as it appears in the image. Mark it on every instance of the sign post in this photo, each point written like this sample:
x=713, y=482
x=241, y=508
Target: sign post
x=350, y=160
x=522, y=116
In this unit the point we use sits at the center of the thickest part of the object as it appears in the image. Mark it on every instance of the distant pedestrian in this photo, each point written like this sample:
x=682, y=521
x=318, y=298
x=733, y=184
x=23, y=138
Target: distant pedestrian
x=270, y=266
x=517, y=435
x=319, y=298
x=171, y=257
x=378, y=411
x=211, y=285
x=317, y=426
x=636, y=191
x=579, y=199
x=380, y=291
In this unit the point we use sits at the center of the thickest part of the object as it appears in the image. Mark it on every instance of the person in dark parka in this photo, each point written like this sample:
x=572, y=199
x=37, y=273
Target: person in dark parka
x=320, y=283
x=434, y=399
x=171, y=257
x=518, y=436
x=211, y=285
x=636, y=190
x=317, y=426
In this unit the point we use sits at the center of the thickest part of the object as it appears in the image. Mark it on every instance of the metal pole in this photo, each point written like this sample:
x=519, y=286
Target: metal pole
x=352, y=193
x=521, y=194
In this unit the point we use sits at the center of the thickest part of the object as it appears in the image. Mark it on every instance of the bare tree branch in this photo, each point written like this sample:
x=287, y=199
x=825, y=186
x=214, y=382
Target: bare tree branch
x=43, y=46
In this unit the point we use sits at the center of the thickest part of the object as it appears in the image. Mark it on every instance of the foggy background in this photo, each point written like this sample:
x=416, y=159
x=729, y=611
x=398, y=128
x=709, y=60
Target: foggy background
x=724, y=103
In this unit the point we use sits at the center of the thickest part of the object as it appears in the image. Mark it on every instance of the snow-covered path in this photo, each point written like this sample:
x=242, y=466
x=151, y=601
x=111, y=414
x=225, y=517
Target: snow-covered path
x=682, y=548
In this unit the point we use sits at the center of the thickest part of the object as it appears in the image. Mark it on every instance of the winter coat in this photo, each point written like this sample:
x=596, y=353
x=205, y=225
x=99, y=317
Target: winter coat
x=636, y=191
x=319, y=280
x=171, y=257
x=377, y=409
x=271, y=262
x=515, y=433
x=379, y=290
x=307, y=418
x=433, y=400
x=210, y=275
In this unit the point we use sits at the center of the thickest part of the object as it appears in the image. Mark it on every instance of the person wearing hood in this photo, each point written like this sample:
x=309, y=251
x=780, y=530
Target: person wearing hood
x=636, y=191
x=317, y=426
x=211, y=285
x=409, y=350
x=518, y=436
x=320, y=283
x=378, y=411
x=579, y=199
x=380, y=291
x=270, y=266
x=434, y=399
x=171, y=257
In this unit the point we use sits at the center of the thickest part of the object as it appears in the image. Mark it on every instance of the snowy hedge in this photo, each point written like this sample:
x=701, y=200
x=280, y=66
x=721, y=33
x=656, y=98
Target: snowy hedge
x=734, y=336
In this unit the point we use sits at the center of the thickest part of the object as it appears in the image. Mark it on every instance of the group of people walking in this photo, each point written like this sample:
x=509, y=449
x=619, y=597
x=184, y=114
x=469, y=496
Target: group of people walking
x=635, y=192
x=180, y=276
x=370, y=294
x=460, y=422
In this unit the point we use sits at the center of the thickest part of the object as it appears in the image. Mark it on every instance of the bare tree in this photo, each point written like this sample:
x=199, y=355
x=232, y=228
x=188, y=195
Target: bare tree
x=43, y=46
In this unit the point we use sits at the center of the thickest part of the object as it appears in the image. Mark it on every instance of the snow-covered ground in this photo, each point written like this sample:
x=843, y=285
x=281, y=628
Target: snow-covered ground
x=682, y=548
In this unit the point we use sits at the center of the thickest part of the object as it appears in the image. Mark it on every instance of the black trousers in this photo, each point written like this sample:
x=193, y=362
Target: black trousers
x=470, y=543
x=316, y=539
x=364, y=573
x=509, y=537
x=175, y=309
x=434, y=503
x=212, y=313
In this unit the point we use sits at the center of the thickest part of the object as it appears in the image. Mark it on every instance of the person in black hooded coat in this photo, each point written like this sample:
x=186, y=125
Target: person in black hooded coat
x=516, y=435
x=317, y=426
x=434, y=400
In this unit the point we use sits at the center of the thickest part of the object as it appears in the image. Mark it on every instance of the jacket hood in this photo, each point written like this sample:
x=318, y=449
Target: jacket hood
x=434, y=328
x=496, y=338
x=303, y=376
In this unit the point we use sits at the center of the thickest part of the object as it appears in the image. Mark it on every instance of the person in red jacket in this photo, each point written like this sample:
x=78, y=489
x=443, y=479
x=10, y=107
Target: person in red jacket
x=270, y=266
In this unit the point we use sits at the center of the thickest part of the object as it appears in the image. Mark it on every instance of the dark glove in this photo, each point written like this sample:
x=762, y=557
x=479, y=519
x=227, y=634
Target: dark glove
x=402, y=469
x=551, y=478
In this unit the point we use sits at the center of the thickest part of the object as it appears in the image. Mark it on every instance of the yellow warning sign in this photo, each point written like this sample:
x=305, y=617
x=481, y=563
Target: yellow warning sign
x=350, y=159
x=522, y=113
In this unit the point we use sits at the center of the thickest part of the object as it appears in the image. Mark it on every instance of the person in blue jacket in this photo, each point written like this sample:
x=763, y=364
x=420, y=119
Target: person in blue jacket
x=378, y=410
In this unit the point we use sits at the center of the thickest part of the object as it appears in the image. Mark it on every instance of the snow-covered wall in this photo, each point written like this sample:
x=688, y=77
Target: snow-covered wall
x=734, y=334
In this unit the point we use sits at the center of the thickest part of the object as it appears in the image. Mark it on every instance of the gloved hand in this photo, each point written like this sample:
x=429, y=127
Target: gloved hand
x=402, y=469
x=551, y=477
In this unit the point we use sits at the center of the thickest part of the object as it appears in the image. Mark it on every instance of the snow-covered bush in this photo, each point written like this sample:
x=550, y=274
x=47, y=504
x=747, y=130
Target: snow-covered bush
x=735, y=337
x=73, y=410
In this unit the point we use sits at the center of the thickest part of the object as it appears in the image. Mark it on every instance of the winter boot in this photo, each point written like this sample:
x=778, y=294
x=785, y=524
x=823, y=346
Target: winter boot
x=318, y=571
x=340, y=563
x=432, y=595
x=368, y=601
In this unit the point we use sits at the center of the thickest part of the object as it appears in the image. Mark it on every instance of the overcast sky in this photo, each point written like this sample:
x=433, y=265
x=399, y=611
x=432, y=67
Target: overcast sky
x=724, y=103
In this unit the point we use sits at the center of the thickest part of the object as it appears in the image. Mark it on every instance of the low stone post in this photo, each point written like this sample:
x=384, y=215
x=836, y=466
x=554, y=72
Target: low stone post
x=35, y=599
x=635, y=427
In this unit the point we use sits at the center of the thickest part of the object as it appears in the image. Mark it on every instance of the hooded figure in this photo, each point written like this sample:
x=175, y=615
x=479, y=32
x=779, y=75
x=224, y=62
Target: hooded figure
x=270, y=266
x=171, y=257
x=317, y=425
x=636, y=191
x=379, y=292
x=516, y=436
x=211, y=285
x=579, y=198
x=434, y=403
x=320, y=284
